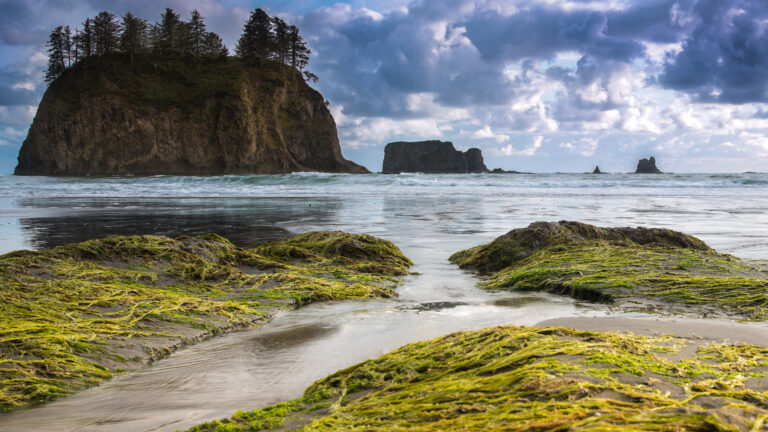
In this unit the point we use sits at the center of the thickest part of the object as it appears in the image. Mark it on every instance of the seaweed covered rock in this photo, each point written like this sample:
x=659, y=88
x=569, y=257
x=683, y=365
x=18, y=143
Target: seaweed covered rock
x=110, y=116
x=523, y=242
x=542, y=379
x=73, y=315
x=636, y=268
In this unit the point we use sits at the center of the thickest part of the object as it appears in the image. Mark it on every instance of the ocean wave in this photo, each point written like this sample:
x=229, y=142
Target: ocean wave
x=326, y=184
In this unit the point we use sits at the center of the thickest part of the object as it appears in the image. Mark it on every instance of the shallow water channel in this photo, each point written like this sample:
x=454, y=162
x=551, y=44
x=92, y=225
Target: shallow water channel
x=255, y=367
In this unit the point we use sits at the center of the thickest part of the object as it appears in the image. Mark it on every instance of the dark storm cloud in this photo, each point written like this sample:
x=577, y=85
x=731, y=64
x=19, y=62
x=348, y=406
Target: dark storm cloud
x=725, y=59
x=459, y=50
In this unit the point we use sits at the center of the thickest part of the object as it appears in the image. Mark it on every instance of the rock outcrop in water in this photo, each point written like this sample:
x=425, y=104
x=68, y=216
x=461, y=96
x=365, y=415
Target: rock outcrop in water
x=432, y=157
x=108, y=116
x=597, y=170
x=80, y=312
x=634, y=268
x=647, y=166
x=533, y=379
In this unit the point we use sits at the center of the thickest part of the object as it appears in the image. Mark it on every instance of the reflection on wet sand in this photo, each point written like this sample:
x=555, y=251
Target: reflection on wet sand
x=244, y=222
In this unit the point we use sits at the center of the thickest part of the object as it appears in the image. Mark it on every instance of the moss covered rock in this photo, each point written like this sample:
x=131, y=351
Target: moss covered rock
x=72, y=316
x=635, y=268
x=523, y=379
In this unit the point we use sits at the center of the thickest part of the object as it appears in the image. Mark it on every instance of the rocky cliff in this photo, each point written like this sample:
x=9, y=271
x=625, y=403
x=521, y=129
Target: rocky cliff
x=109, y=116
x=433, y=157
x=647, y=166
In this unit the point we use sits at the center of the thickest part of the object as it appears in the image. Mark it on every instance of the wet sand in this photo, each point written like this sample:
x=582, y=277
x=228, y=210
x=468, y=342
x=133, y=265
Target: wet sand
x=702, y=329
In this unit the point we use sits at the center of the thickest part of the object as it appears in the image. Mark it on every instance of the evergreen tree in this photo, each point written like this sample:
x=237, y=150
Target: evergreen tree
x=298, y=51
x=281, y=42
x=197, y=34
x=256, y=41
x=168, y=34
x=67, y=46
x=84, y=41
x=213, y=46
x=106, y=31
x=56, y=59
x=133, y=39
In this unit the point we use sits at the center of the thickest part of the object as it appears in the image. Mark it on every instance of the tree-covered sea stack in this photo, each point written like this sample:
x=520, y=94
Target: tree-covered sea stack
x=74, y=315
x=264, y=38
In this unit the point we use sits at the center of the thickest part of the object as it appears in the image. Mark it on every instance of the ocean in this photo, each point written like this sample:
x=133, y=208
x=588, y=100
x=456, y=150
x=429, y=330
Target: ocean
x=428, y=216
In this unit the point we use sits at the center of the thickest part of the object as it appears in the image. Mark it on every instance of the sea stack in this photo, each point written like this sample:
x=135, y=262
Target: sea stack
x=431, y=157
x=647, y=166
x=108, y=116
x=597, y=170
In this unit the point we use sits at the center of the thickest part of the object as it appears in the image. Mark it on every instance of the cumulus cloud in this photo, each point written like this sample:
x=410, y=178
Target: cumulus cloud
x=510, y=150
x=725, y=57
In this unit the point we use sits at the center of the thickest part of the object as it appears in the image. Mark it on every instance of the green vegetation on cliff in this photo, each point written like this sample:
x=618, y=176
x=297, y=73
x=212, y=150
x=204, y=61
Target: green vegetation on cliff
x=635, y=268
x=72, y=316
x=523, y=379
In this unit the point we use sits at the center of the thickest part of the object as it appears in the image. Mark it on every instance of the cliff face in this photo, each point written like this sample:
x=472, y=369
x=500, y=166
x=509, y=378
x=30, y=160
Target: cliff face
x=107, y=116
x=433, y=157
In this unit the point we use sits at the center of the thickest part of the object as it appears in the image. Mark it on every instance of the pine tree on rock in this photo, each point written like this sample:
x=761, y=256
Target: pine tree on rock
x=67, y=45
x=256, y=42
x=106, y=31
x=56, y=60
x=281, y=41
x=167, y=34
x=197, y=34
x=83, y=41
x=213, y=46
x=298, y=51
x=133, y=39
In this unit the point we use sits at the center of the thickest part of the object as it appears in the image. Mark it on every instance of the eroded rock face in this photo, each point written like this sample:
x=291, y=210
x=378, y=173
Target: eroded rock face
x=432, y=157
x=647, y=166
x=106, y=116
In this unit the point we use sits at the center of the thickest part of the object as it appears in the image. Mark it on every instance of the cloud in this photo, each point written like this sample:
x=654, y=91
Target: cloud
x=486, y=132
x=725, y=57
x=510, y=150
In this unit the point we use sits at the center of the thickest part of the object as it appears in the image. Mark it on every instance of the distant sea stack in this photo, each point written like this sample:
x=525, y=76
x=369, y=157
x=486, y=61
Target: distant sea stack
x=108, y=116
x=431, y=157
x=597, y=170
x=647, y=166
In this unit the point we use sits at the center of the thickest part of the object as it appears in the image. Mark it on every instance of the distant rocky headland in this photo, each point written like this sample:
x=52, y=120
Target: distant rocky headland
x=647, y=166
x=163, y=107
x=431, y=157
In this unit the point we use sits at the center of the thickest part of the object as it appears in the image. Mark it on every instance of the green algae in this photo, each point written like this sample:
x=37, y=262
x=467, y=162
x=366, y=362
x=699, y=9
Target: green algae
x=680, y=271
x=517, y=378
x=68, y=314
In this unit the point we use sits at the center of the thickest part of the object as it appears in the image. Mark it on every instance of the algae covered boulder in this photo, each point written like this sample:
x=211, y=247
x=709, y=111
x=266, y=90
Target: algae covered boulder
x=74, y=315
x=533, y=379
x=634, y=268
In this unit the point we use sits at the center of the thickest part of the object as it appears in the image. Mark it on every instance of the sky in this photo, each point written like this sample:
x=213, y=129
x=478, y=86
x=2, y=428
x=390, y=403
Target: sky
x=541, y=86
